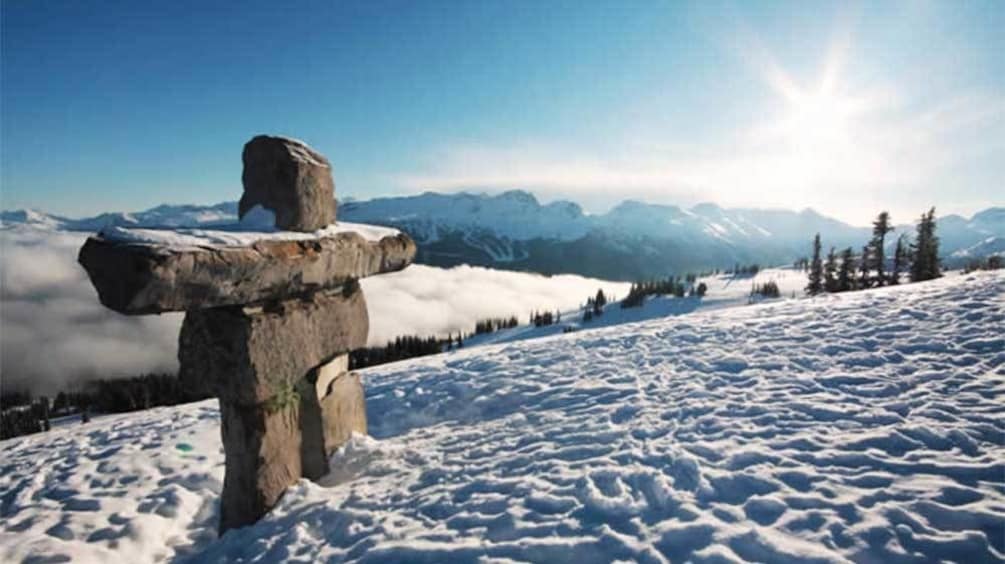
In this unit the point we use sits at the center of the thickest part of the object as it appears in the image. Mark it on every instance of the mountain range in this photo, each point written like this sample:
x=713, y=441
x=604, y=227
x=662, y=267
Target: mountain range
x=634, y=240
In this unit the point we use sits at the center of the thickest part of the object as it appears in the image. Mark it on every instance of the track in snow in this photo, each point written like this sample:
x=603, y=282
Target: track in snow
x=864, y=427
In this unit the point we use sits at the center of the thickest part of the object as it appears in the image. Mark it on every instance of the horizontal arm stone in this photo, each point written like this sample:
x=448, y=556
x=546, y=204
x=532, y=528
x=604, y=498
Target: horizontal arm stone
x=139, y=279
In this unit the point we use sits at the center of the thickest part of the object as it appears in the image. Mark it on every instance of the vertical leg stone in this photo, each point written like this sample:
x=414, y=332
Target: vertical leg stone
x=343, y=411
x=263, y=458
x=333, y=407
x=264, y=364
x=313, y=458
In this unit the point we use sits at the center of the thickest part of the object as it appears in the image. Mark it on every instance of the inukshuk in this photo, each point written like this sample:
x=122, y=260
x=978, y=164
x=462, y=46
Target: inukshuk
x=270, y=316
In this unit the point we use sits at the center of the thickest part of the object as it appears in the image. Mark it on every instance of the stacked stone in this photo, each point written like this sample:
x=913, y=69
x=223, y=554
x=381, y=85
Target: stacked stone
x=267, y=327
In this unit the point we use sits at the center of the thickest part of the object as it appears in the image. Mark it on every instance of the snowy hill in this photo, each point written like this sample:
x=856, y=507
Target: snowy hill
x=854, y=427
x=724, y=290
x=514, y=231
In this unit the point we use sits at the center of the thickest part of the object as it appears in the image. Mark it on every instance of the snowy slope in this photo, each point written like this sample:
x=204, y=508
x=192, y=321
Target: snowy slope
x=865, y=426
x=724, y=290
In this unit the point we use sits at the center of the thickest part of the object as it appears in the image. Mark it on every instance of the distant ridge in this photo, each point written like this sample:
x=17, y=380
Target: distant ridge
x=513, y=230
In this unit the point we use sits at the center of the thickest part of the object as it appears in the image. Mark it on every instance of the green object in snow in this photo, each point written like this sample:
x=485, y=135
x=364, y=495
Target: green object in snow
x=184, y=447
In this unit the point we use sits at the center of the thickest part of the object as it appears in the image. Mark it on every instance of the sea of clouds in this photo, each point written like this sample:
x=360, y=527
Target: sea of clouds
x=54, y=334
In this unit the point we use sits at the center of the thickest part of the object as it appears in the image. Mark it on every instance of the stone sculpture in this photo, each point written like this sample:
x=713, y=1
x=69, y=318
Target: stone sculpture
x=268, y=324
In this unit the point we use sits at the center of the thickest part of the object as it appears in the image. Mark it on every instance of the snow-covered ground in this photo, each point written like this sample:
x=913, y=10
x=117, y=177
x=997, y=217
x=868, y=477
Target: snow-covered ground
x=724, y=290
x=865, y=427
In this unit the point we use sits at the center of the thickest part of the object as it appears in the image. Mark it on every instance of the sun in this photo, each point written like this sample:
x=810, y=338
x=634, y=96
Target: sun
x=818, y=121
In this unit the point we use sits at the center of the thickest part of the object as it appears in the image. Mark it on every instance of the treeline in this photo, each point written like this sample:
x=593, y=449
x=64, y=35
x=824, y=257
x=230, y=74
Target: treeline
x=23, y=414
x=594, y=305
x=993, y=262
x=486, y=326
x=401, y=348
x=24, y=417
x=846, y=271
x=413, y=346
x=675, y=286
x=136, y=393
x=545, y=318
x=768, y=289
x=743, y=270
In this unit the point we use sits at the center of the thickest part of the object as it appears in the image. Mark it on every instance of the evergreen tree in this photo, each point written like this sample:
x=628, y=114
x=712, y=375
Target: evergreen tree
x=925, y=251
x=701, y=289
x=846, y=274
x=830, y=271
x=816, y=274
x=46, y=425
x=863, y=265
x=900, y=259
x=880, y=228
x=599, y=301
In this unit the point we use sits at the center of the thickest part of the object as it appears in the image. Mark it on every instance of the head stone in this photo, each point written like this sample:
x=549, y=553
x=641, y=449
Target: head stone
x=289, y=178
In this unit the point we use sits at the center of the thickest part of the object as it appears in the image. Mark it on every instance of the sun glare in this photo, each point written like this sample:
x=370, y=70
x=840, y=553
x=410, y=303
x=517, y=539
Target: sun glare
x=817, y=122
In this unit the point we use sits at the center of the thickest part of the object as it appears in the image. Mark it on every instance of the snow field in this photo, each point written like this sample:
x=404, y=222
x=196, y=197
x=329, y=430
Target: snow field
x=862, y=427
x=724, y=290
x=138, y=487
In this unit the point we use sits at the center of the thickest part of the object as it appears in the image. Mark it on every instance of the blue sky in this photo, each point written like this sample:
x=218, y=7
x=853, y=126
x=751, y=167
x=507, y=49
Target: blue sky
x=848, y=108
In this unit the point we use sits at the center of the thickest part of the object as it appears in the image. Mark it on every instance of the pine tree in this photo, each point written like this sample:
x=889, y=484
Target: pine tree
x=925, y=250
x=46, y=425
x=830, y=270
x=815, y=285
x=599, y=301
x=863, y=264
x=701, y=289
x=900, y=259
x=880, y=228
x=846, y=274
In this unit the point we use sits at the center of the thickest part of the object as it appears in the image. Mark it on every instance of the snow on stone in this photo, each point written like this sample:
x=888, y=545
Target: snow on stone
x=257, y=225
x=865, y=427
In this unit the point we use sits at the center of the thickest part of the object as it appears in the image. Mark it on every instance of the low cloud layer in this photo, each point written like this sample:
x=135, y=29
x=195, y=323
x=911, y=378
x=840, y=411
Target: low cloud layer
x=427, y=300
x=54, y=333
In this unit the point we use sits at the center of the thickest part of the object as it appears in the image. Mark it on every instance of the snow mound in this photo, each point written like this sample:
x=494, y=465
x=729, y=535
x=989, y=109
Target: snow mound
x=857, y=427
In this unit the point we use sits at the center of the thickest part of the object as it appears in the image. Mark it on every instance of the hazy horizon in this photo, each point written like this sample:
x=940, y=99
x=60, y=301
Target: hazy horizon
x=545, y=201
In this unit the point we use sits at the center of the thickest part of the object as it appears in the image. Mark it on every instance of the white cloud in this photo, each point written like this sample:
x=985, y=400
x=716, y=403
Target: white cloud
x=427, y=300
x=54, y=333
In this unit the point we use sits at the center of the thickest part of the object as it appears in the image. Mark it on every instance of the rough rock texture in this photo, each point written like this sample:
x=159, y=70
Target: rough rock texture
x=343, y=411
x=250, y=355
x=140, y=279
x=268, y=326
x=264, y=365
x=289, y=178
x=262, y=452
x=325, y=375
x=286, y=399
x=332, y=407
